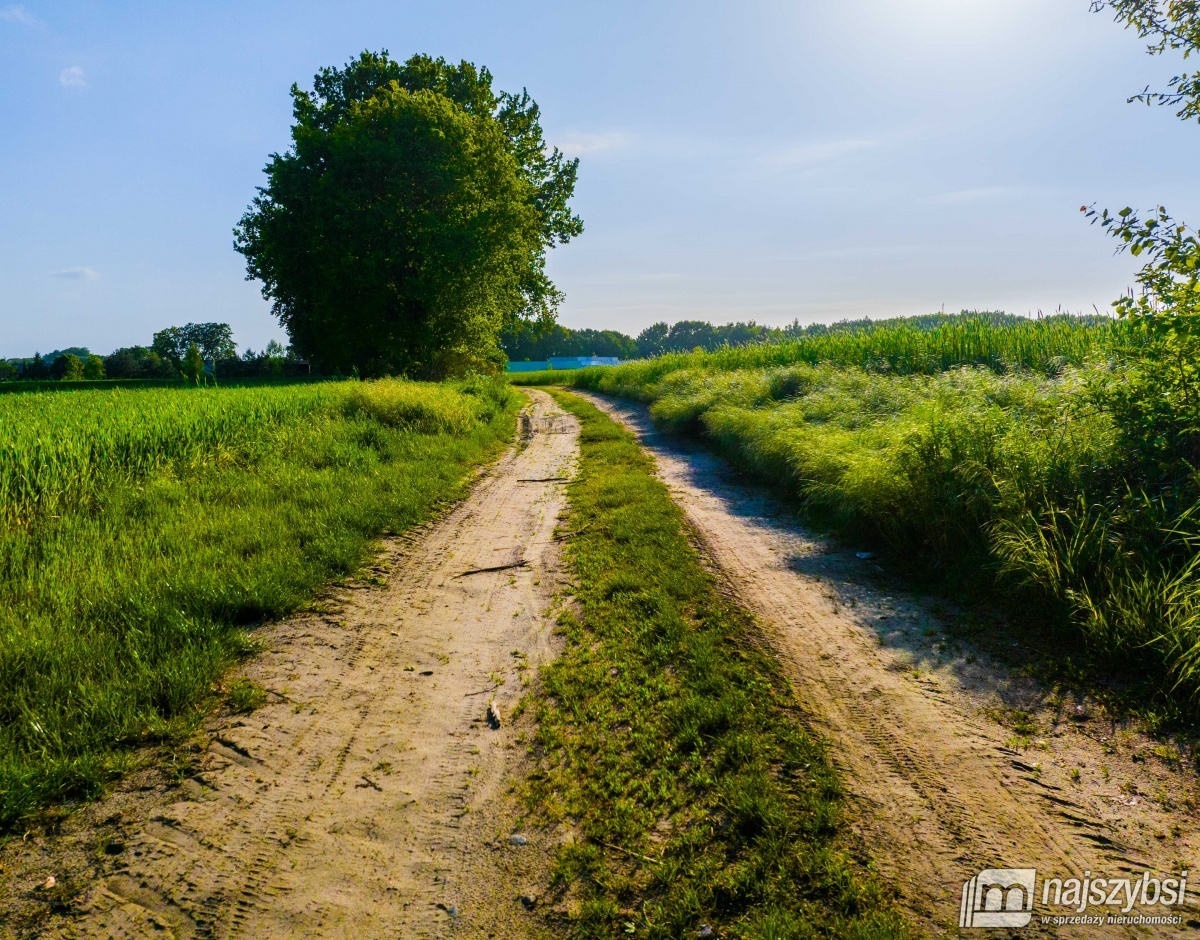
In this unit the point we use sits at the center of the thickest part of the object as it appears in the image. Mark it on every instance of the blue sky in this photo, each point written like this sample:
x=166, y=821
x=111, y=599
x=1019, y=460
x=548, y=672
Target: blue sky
x=748, y=160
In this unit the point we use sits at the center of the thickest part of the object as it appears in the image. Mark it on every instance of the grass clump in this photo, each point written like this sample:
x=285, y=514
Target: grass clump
x=673, y=745
x=242, y=696
x=144, y=534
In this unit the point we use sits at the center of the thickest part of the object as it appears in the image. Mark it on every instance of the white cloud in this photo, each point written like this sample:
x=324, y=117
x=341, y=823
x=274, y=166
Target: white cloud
x=76, y=274
x=72, y=77
x=18, y=14
x=580, y=143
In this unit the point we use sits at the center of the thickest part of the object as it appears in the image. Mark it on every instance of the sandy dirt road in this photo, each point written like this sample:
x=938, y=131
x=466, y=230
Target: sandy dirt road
x=939, y=790
x=367, y=798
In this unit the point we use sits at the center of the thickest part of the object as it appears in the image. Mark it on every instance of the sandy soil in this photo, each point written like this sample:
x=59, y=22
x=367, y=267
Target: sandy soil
x=369, y=797
x=941, y=786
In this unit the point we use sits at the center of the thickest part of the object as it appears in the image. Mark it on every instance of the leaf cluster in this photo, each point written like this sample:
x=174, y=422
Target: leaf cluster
x=1157, y=402
x=1171, y=25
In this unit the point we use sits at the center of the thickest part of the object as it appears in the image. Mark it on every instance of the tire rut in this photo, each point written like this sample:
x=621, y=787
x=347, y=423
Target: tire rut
x=362, y=800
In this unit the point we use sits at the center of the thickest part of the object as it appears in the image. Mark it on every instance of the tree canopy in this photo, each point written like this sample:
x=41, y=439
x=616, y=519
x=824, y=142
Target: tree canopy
x=213, y=340
x=409, y=222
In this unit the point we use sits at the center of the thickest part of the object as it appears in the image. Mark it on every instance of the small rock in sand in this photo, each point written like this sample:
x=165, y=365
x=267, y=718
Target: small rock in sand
x=516, y=839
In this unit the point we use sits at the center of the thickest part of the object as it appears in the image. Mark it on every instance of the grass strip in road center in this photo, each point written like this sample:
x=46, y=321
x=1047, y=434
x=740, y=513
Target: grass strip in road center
x=674, y=754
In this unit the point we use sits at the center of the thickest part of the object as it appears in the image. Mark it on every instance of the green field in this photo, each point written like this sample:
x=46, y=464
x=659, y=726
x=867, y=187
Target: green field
x=13, y=387
x=705, y=799
x=143, y=533
x=898, y=347
x=986, y=456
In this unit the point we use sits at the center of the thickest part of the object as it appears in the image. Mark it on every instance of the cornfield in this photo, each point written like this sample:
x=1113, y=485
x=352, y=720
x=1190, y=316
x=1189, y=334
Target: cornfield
x=57, y=449
x=143, y=533
x=1044, y=346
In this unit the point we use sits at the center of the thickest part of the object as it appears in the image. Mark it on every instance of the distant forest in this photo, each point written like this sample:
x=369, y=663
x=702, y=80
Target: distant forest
x=529, y=344
x=176, y=353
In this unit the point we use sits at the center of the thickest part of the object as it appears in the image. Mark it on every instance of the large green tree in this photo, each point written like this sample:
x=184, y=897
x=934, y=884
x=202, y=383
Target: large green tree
x=409, y=222
x=214, y=340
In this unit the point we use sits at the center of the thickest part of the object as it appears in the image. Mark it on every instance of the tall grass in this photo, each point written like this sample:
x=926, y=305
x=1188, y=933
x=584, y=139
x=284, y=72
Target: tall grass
x=984, y=454
x=142, y=533
x=55, y=450
x=1044, y=346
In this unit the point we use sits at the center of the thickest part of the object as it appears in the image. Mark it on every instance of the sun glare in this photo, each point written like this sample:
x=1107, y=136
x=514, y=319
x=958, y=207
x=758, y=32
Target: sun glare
x=962, y=19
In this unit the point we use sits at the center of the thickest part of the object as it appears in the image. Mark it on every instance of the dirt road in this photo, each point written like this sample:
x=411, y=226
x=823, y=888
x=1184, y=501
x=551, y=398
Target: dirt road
x=940, y=789
x=366, y=798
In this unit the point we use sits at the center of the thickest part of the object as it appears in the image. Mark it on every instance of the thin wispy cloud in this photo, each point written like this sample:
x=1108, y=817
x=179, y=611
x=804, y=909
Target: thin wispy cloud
x=580, y=143
x=72, y=77
x=18, y=14
x=76, y=274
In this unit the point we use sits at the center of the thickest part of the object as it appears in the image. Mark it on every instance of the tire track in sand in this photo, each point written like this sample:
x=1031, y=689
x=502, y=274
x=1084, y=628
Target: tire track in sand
x=937, y=795
x=362, y=801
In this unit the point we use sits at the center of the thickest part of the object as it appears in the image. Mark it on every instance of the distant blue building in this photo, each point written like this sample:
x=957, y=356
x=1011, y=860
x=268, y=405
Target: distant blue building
x=580, y=362
x=563, y=362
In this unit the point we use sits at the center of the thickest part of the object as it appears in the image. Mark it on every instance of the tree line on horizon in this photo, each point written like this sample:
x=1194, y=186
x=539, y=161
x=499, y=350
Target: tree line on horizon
x=405, y=232
x=182, y=353
x=534, y=343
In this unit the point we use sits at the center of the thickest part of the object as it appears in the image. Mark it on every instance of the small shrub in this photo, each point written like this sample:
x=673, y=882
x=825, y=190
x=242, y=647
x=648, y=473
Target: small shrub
x=242, y=696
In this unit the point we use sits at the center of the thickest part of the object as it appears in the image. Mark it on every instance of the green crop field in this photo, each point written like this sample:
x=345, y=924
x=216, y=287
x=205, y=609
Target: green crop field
x=987, y=456
x=142, y=533
x=897, y=348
